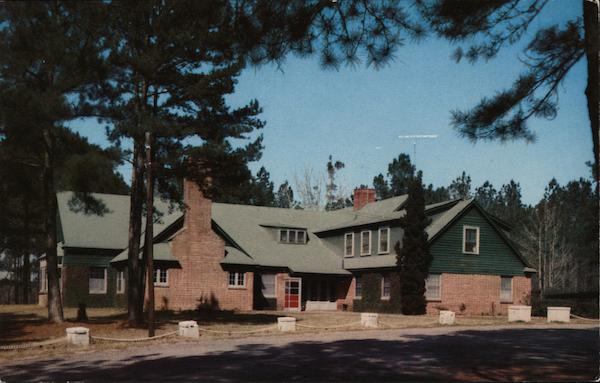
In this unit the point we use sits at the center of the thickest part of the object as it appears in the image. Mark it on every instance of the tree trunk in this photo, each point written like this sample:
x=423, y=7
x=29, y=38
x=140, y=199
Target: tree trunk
x=149, y=235
x=55, y=310
x=26, y=271
x=134, y=305
x=590, y=24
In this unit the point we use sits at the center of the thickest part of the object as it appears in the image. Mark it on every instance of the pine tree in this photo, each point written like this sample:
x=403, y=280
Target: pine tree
x=333, y=198
x=413, y=258
x=262, y=189
x=552, y=52
x=460, y=187
x=54, y=55
x=285, y=196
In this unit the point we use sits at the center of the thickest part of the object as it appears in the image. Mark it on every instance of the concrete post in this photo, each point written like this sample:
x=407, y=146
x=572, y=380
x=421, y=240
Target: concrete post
x=79, y=336
x=519, y=313
x=189, y=329
x=559, y=314
x=370, y=320
x=447, y=317
x=285, y=324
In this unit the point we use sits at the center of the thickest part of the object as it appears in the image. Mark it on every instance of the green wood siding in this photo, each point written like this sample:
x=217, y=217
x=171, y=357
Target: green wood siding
x=495, y=256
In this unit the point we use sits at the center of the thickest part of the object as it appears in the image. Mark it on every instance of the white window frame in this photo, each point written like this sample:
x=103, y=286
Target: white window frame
x=346, y=244
x=120, y=289
x=502, y=299
x=236, y=277
x=157, y=281
x=385, y=297
x=362, y=242
x=464, y=243
x=379, y=250
x=439, y=297
x=274, y=295
x=289, y=235
x=356, y=280
x=103, y=291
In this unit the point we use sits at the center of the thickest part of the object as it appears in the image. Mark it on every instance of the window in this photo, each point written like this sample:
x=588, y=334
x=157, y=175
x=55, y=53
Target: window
x=161, y=277
x=358, y=288
x=384, y=240
x=506, y=289
x=349, y=245
x=237, y=279
x=365, y=243
x=120, y=282
x=97, y=281
x=386, y=287
x=433, y=287
x=268, y=285
x=470, y=240
x=43, y=280
x=292, y=236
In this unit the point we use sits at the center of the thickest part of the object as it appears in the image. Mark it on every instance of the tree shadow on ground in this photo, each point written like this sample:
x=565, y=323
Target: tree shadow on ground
x=13, y=326
x=499, y=355
x=216, y=317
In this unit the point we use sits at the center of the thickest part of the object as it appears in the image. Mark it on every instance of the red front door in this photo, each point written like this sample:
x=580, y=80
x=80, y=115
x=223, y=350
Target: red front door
x=292, y=295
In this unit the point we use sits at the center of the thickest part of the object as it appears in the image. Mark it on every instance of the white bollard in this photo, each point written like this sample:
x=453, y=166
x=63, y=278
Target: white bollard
x=447, y=317
x=189, y=329
x=559, y=314
x=286, y=324
x=519, y=313
x=370, y=320
x=79, y=336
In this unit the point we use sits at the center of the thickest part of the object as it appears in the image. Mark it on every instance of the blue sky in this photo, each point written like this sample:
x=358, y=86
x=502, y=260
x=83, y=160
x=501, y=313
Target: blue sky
x=357, y=114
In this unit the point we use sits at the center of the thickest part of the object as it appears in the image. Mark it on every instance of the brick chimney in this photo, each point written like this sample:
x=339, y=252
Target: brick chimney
x=363, y=197
x=198, y=212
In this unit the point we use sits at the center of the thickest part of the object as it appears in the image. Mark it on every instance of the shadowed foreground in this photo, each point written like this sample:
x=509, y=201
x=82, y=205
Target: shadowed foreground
x=418, y=354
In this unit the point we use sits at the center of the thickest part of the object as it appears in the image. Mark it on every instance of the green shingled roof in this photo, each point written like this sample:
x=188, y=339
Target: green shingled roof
x=235, y=256
x=246, y=226
x=252, y=231
x=161, y=252
x=107, y=231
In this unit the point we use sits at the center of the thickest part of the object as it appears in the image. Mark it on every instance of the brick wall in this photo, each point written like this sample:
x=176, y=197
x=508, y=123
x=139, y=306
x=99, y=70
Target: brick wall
x=480, y=294
x=345, y=293
x=199, y=250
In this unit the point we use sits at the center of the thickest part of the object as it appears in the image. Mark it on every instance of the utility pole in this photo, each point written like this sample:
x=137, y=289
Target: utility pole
x=148, y=245
x=416, y=137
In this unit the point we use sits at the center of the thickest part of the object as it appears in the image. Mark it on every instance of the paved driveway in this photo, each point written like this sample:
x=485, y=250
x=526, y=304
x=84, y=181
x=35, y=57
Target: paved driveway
x=496, y=354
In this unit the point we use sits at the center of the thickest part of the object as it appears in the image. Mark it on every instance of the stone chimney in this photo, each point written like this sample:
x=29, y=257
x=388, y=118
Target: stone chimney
x=363, y=197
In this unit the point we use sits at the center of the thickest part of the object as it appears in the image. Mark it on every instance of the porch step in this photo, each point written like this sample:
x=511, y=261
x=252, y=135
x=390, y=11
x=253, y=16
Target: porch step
x=320, y=306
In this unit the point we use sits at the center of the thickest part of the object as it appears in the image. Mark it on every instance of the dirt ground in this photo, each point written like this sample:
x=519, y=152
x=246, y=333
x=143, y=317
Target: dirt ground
x=27, y=323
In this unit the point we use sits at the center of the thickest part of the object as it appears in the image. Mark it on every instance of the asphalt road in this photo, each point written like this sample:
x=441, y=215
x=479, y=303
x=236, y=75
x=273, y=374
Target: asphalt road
x=482, y=354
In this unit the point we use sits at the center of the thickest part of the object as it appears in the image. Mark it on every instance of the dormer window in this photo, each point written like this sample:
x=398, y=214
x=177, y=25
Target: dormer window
x=470, y=240
x=292, y=236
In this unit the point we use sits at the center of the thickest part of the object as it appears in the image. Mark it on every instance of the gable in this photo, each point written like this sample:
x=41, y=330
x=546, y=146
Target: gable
x=495, y=256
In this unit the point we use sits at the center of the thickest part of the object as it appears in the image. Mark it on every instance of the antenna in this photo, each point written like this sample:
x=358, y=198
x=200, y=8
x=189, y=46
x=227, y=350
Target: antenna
x=416, y=137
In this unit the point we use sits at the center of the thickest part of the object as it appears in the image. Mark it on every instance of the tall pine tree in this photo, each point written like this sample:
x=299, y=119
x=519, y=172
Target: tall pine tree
x=54, y=56
x=413, y=258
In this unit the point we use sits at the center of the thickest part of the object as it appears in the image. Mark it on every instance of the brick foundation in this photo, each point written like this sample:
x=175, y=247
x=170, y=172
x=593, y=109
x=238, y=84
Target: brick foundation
x=480, y=294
